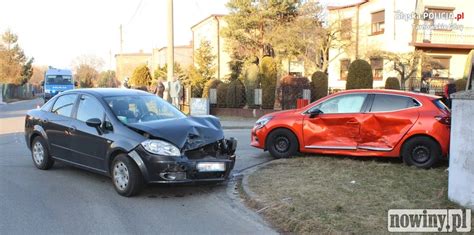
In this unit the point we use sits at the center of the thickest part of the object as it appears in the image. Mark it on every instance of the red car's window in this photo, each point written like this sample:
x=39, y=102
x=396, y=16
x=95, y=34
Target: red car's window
x=440, y=104
x=385, y=103
x=343, y=104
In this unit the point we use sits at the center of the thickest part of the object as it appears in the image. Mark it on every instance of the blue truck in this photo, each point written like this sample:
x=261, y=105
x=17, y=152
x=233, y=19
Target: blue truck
x=56, y=81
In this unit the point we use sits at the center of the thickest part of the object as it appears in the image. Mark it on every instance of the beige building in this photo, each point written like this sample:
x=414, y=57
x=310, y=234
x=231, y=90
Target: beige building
x=183, y=55
x=209, y=29
x=127, y=62
x=400, y=27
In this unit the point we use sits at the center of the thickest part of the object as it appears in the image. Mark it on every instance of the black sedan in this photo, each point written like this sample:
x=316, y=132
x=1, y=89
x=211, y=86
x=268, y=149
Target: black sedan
x=132, y=136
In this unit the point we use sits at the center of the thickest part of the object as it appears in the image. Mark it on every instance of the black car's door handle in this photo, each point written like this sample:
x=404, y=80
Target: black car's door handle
x=72, y=129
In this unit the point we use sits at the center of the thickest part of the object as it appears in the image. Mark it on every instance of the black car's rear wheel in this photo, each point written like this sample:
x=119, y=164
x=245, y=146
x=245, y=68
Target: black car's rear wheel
x=40, y=154
x=126, y=176
x=282, y=143
x=421, y=151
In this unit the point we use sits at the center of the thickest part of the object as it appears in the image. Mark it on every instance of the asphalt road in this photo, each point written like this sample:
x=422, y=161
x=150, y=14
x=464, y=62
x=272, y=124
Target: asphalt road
x=66, y=200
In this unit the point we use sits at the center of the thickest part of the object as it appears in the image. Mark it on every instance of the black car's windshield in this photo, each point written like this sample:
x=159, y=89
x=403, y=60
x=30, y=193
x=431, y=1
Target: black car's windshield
x=58, y=80
x=142, y=108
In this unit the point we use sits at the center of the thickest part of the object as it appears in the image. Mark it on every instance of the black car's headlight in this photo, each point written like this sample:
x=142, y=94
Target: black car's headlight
x=161, y=147
x=262, y=121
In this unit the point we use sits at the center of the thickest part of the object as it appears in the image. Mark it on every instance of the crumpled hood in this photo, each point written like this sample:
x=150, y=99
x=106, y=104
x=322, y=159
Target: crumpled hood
x=185, y=133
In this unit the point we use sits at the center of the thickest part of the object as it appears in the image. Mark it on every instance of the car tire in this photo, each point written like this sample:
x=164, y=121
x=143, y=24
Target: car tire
x=282, y=143
x=40, y=154
x=421, y=151
x=126, y=176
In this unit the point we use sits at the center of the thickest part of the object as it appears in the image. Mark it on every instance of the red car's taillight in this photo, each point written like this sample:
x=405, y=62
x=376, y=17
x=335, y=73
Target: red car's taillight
x=446, y=120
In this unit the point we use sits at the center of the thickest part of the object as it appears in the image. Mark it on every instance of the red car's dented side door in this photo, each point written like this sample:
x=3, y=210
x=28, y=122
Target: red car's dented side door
x=332, y=131
x=389, y=118
x=337, y=126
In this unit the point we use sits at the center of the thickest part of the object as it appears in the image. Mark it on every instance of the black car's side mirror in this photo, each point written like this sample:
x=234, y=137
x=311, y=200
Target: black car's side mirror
x=315, y=112
x=42, y=83
x=76, y=84
x=96, y=123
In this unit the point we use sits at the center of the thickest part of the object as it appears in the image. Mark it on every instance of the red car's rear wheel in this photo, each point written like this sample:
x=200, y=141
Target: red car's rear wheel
x=421, y=151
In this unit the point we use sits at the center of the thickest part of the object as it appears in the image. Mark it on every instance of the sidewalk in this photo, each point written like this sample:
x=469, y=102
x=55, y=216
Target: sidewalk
x=237, y=122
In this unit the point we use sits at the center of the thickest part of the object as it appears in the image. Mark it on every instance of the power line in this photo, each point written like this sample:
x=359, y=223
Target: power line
x=136, y=11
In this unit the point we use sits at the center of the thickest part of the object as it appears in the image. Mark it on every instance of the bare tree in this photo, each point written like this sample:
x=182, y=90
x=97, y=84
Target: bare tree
x=406, y=64
x=337, y=36
x=86, y=69
x=38, y=74
x=92, y=61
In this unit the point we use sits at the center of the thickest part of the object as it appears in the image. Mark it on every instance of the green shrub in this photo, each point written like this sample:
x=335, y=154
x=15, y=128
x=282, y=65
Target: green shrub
x=251, y=82
x=222, y=94
x=292, y=90
x=360, y=75
x=460, y=84
x=268, y=79
x=319, y=85
x=211, y=84
x=141, y=77
x=235, y=97
x=235, y=66
x=392, y=83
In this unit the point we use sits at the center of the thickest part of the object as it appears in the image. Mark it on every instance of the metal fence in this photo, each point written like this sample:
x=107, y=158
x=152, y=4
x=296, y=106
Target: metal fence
x=12, y=91
x=432, y=86
x=290, y=94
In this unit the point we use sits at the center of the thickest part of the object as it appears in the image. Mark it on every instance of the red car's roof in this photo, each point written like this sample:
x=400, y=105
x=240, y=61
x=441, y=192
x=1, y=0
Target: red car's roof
x=388, y=91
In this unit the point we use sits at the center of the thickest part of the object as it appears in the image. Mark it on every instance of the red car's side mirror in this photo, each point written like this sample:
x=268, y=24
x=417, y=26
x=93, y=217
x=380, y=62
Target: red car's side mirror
x=315, y=112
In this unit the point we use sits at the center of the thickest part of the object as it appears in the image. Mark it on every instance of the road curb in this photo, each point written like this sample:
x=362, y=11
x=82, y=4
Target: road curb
x=251, y=198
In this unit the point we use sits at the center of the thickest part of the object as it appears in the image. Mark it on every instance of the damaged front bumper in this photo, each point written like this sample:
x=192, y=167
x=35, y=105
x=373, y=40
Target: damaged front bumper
x=209, y=163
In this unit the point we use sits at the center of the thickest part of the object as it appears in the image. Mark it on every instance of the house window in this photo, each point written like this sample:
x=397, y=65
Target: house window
x=441, y=66
x=377, y=68
x=346, y=29
x=344, y=70
x=378, y=22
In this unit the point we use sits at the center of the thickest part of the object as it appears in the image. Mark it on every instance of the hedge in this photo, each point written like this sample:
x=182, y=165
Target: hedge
x=360, y=75
x=268, y=76
x=319, y=85
x=392, y=83
x=251, y=82
x=211, y=84
x=460, y=84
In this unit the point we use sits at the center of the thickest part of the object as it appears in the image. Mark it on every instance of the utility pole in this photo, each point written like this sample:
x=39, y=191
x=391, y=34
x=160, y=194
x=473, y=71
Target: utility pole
x=121, y=40
x=170, y=49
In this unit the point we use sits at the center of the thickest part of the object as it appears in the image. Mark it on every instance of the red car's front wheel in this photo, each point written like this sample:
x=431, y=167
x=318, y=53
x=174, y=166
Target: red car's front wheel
x=282, y=143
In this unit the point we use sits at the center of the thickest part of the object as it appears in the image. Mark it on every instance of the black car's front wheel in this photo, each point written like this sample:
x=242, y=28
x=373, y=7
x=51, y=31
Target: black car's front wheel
x=421, y=152
x=40, y=154
x=282, y=143
x=127, y=178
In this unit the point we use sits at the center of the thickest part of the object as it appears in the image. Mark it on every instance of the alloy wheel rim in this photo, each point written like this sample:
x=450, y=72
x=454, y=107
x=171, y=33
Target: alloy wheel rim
x=421, y=154
x=38, y=153
x=282, y=144
x=121, y=176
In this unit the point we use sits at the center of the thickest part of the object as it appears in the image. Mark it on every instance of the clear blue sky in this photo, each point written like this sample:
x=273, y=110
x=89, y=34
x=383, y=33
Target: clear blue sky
x=55, y=31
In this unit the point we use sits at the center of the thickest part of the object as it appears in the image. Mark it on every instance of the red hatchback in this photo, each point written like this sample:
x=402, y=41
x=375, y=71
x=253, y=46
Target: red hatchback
x=379, y=123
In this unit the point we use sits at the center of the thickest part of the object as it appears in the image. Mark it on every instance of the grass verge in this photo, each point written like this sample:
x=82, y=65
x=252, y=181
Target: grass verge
x=334, y=194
